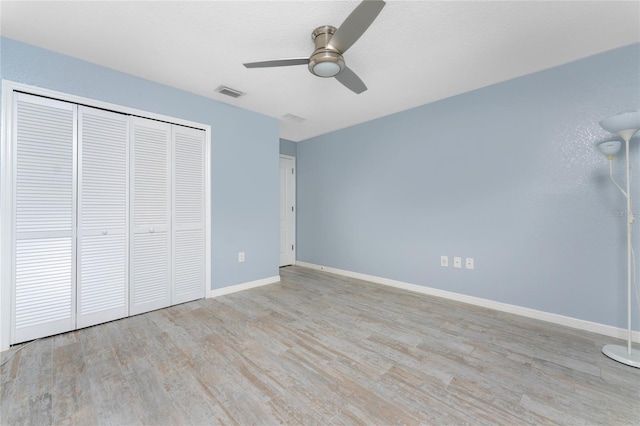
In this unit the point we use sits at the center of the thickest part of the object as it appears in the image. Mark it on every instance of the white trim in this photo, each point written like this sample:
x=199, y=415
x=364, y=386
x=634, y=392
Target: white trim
x=8, y=87
x=6, y=217
x=208, y=224
x=244, y=286
x=6, y=183
x=295, y=206
x=576, y=323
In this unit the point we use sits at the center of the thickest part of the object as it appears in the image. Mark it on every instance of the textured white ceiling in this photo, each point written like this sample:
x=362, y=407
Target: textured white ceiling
x=416, y=52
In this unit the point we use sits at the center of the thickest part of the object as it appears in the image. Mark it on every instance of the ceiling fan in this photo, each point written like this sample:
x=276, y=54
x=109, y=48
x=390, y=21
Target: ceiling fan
x=331, y=43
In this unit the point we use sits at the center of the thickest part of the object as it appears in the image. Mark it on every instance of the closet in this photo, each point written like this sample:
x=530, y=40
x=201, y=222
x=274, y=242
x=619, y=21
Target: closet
x=108, y=216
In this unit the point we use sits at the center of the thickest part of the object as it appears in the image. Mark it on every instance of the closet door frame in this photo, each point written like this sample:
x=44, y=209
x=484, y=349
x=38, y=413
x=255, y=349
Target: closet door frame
x=7, y=219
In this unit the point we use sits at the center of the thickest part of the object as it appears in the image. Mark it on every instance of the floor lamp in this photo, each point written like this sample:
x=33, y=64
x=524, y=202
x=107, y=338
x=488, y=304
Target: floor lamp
x=624, y=125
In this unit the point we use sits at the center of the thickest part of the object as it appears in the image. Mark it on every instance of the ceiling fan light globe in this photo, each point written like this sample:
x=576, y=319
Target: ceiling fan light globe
x=326, y=63
x=326, y=69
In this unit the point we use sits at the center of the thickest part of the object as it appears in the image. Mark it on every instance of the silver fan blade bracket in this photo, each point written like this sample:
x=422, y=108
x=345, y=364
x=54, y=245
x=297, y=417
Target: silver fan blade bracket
x=351, y=81
x=355, y=25
x=277, y=63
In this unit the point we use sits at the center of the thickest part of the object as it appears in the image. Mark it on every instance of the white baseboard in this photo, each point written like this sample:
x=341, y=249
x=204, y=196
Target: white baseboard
x=244, y=286
x=607, y=330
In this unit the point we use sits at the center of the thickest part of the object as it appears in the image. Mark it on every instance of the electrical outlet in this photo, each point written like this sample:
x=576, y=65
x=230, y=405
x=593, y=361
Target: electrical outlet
x=240, y=256
x=444, y=261
x=469, y=262
x=457, y=262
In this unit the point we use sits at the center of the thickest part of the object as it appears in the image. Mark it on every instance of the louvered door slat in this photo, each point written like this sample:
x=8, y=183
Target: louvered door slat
x=103, y=279
x=150, y=286
x=44, y=264
x=102, y=216
x=151, y=177
x=189, y=265
x=151, y=270
x=189, y=214
x=44, y=165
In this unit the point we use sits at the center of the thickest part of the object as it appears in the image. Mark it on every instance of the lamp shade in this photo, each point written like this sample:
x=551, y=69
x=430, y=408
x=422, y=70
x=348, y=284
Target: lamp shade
x=609, y=148
x=624, y=124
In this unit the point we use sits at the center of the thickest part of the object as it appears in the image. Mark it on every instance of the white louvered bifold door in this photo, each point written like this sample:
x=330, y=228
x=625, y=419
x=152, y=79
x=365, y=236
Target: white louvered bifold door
x=150, y=285
x=43, y=291
x=103, y=170
x=188, y=214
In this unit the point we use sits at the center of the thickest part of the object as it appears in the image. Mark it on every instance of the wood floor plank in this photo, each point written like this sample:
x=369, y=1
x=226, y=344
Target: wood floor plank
x=319, y=349
x=32, y=387
x=71, y=399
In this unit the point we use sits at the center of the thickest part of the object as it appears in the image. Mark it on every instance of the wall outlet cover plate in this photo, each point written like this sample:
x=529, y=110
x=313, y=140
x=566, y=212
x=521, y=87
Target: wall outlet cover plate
x=469, y=263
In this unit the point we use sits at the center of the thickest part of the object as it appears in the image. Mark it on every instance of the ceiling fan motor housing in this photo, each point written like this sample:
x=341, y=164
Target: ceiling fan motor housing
x=325, y=61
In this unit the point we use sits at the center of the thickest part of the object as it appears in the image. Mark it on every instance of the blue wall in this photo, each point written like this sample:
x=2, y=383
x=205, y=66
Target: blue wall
x=244, y=154
x=288, y=147
x=507, y=174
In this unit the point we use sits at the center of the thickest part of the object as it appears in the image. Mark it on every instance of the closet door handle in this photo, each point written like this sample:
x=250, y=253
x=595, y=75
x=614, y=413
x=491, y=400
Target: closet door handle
x=105, y=232
x=151, y=230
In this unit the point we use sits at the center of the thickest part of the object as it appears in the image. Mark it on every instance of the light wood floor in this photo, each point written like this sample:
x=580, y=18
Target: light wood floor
x=319, y=349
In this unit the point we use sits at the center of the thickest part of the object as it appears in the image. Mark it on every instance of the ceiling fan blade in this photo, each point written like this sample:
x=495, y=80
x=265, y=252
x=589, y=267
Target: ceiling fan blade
x=351, y=81
x=356, y=24
x=278, y=63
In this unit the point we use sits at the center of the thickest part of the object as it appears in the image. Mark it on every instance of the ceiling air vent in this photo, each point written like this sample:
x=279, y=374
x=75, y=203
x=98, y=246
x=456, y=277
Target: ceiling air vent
x=229, y=91
x=291, y=117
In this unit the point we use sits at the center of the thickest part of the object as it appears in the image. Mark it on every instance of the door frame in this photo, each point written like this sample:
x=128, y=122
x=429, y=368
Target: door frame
x=295, y=206
x=7, y=179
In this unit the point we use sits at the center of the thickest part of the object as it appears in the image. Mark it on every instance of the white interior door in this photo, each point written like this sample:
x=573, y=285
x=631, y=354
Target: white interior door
x=43, y=291
x=150, y=285
x=287, y=211
x=189, y=212
x=103, y=211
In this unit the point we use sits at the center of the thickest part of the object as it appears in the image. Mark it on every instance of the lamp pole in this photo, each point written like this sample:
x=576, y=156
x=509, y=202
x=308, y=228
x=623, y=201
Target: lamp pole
x=630, y=219
x=625, y=125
